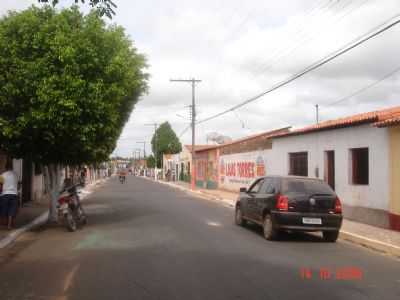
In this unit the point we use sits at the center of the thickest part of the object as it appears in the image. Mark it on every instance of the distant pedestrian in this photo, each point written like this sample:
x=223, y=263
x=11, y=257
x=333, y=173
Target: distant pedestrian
x=9, y=198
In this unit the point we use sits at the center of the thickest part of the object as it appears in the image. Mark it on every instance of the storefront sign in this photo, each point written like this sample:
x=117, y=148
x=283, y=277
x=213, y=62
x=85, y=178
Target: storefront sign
x=241, y=171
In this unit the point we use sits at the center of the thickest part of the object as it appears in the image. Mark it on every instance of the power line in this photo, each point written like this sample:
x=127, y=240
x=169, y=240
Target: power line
x=364, y=88
x=376, y=31
x=298, y=33
x=335, y=19
x=185, y=130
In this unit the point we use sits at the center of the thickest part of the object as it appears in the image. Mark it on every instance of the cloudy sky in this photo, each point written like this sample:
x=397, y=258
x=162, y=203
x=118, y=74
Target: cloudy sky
x=240, y=48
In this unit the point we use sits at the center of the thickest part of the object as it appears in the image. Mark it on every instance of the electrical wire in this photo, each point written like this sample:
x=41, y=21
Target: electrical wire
x=388, y=75
x=356, y=42
x=299, y=32
x=185, y=130
x=338, y=17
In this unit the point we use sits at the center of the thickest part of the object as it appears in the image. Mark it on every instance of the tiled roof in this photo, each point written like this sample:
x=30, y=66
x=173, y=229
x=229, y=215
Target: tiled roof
x=378, y=118
x=198, y=147
x=266, y=134
x=245, y=139
x=390, y=119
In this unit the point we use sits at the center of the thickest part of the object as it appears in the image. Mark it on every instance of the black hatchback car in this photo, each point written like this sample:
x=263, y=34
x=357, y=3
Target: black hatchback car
x=290, y=203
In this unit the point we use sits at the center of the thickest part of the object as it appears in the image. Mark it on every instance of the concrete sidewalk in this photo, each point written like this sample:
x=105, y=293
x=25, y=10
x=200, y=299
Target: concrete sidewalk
x=383, y=240
x=32, y=215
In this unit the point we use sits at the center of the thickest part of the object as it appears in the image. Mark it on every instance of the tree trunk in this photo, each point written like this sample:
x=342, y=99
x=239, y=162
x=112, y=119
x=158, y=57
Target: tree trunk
x=52, y=181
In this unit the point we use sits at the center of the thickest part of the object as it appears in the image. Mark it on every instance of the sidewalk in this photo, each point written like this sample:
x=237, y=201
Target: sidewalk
x=383, y=240
x=35, y=214
x=27, y=213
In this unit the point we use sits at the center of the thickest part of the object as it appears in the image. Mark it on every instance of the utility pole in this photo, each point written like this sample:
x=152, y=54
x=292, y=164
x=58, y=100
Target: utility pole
x=317, y=113
x=144, y=148
x=138, y=150
x=193, y=81
x=155, y=148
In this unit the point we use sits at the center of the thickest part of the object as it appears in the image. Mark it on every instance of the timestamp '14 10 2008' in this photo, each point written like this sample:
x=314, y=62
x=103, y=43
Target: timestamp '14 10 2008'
x=325, y=273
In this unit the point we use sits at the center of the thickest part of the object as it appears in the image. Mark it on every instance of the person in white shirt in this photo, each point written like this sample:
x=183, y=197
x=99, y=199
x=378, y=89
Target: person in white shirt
x=8, y=197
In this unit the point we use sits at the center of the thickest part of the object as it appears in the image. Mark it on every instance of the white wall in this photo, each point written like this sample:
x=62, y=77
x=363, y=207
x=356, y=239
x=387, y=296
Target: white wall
x=17, y=167
x=375, y=195
x=37, y=187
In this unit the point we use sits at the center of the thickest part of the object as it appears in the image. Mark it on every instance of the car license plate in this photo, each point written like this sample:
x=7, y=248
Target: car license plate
x=317, y=221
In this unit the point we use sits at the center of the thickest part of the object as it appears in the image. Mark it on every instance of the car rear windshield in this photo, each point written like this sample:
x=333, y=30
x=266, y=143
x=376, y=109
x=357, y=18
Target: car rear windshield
x=307, y=186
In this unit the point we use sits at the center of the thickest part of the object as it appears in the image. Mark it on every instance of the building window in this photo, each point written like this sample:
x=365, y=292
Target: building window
x=298, y=164
x=360, y=166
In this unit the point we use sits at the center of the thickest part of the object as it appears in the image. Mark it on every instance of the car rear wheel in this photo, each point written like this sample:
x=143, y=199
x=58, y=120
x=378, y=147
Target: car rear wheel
x=270, y=232
x=330, y=236
x=239, y=217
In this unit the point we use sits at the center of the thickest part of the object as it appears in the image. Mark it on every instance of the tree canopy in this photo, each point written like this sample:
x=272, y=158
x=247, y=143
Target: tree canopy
x=69, y=83
x=150, y=162
x=165, y=141
x=103, y=7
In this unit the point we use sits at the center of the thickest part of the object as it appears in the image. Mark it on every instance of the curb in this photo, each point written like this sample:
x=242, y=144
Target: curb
x=225, y=202
x=370, y=243
x=344, y=235
x=12, y=236
x=42, y=219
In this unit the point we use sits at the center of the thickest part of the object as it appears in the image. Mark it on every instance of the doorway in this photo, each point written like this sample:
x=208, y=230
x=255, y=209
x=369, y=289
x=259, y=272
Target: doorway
x=330, y=168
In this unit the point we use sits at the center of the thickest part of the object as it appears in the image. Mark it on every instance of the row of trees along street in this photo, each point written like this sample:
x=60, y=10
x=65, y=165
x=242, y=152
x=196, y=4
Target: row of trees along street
x=68, y=84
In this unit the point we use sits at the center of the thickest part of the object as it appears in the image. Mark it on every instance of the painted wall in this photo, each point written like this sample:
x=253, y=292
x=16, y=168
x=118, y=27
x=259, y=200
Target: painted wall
x=207, y=169
x=201, y=169
x=394, y=206
x=240, y=170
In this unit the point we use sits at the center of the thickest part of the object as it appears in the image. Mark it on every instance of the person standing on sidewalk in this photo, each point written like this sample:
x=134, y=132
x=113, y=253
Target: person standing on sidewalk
x=9, y=198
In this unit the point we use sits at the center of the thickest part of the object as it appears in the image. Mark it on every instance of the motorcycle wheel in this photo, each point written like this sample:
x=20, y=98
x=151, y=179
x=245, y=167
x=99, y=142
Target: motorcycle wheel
x=70, y=222
x=82, y=216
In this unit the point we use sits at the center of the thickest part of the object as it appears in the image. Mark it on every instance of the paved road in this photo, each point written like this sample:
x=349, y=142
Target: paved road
x=148, y=241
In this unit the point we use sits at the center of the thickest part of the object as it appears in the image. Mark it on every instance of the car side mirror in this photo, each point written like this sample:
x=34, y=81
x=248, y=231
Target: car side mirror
x=243, y=190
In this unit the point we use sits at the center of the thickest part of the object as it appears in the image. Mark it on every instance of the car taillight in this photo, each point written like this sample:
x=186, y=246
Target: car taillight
x=338, y=206
x=282, y=203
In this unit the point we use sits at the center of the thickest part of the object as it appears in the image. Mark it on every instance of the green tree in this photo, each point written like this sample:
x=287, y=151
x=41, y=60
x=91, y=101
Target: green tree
x=165, y=141
x=68, y=85
x=103, y=7
x=150, y=161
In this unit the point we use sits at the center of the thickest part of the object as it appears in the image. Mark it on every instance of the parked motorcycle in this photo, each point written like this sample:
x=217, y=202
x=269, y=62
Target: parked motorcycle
x=70, y=210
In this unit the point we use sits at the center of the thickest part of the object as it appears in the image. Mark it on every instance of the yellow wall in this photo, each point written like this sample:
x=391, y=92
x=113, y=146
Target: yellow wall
x=394, y=134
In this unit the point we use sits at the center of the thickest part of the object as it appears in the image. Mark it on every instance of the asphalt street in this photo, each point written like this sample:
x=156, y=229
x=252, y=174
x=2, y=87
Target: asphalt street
x=146, y=240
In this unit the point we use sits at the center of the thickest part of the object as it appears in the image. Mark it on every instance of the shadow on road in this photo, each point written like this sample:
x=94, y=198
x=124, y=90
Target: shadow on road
x=299, y=237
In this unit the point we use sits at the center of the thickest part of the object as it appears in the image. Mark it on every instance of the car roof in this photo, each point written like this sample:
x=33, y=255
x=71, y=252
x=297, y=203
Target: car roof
x=292, y=177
